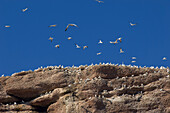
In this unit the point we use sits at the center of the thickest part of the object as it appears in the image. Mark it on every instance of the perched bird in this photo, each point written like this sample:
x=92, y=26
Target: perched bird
x=164, y=58
x=100, y=42
x=84, y=47
x=99, y=1
x=70, y=25
x=132, y=24
x=133, y=57
x=121, y=51
x=69, y=38
x=133, y=61
x=50, y=39
x=7, y=26
x=120, y=39
x=23, y=10
x=99, y=53
x=52, y=25
x=57, y=46
x=77, y=46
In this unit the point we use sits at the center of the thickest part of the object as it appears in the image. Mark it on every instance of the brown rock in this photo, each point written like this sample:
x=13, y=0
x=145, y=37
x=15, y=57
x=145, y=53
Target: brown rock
x=33, y=84
x=88, y=89
x=46, y=100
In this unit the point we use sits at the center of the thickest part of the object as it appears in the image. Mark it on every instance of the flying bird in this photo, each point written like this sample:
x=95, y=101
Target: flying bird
x=121, y=51
x=100, y=42
x=99, y=53
x=52, y=25
x=77, y=46
x=133, y=61
x=70, y=25
x=57, y=46
x=69, y=38
x=23, y=10
x=132, y=24
x=164, y=58
x=99, y=1
x=84, y=47
x=133, y=57
x=50, y=39
x=120, y=39
x=7, y=26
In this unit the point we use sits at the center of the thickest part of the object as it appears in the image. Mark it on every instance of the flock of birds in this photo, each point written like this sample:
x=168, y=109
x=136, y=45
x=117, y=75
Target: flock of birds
x=84, y=47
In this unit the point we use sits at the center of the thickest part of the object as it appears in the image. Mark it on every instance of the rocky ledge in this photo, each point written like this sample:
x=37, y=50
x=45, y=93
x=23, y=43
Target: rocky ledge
x=102, y=88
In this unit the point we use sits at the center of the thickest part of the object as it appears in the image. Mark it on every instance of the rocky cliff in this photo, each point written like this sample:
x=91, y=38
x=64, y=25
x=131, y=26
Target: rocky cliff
x=103, y=88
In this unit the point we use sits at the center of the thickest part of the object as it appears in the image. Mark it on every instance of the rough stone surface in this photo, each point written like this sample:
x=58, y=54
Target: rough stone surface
x=103, y=88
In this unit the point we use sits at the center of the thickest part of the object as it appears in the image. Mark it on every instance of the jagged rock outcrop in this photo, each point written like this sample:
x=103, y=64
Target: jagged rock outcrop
x=103, y=88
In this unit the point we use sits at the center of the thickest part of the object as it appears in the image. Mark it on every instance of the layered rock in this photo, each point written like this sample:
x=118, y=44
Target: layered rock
x=103, y=88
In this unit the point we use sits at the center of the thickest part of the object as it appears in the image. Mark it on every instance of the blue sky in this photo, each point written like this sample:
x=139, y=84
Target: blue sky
x=25, y=44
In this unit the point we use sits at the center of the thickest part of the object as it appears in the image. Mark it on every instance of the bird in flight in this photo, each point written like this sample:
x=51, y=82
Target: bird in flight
x=132, y=24
x=52, y=25
x=57, y=46
x=77, y=46
x=99, y=1
x=121, y=51
x=113, y=42
x=51, y=39
x=164, y=58
x=120, y=39
x=133, y=61
x=7, y=26
x=23, y=10
x=70, y=25
x=84, y=47
x=69, y=38
x=133, y=57
x=99, y=53
x=100, y=42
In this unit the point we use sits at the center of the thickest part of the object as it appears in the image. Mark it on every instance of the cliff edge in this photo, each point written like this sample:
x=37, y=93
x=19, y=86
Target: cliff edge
x=103, y=88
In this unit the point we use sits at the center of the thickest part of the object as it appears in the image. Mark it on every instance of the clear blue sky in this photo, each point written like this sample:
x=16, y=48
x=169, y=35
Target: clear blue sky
x=25, y=44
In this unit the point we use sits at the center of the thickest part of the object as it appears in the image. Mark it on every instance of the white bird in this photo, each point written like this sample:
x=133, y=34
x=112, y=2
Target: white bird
x=70, y=25
x=132, y=24
x=100, y=42
x=7, y=26
x=133, y=61
x=2, y=75
x=69, y=38
x=84, y=47
x=50, y=39
x=164, y=58
x=133, y=57
x=121, y=51
x=99, y=53
x=23, y=10
x=57, y=46
x=99, y=1
x=52, y=25
x=77, y=46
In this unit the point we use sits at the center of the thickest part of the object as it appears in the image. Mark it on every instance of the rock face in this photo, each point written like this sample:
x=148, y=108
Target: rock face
x=103, y=88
